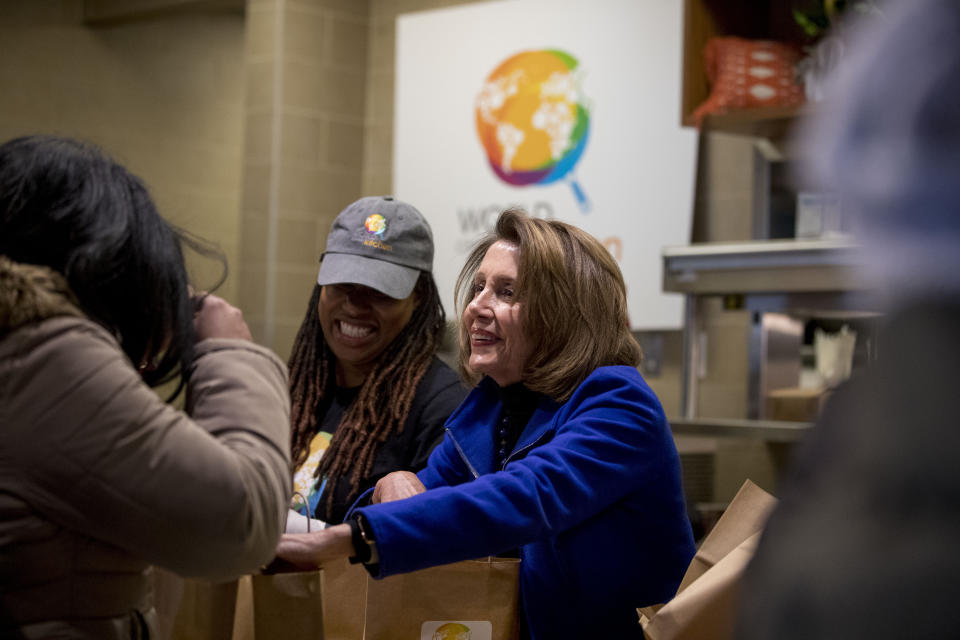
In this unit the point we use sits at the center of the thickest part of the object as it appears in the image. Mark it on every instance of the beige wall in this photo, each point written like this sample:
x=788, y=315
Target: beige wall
x=724, y=212
x=306, y=94
x=164, y=96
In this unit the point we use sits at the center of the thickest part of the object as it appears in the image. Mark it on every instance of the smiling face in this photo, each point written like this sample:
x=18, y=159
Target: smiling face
x=359, y=323
x=499, y=346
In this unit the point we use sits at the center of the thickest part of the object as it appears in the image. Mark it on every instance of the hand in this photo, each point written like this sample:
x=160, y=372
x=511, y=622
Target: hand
x=309, y=550
x=217, y=318
x=397, y=486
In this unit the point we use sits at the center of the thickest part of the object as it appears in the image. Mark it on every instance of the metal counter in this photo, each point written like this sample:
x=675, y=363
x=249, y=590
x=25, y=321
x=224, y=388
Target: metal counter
x=768, y=430
x=772, y=266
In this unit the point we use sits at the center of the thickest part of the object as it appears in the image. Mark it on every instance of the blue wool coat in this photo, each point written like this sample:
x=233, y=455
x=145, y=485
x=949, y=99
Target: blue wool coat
x=591, y=495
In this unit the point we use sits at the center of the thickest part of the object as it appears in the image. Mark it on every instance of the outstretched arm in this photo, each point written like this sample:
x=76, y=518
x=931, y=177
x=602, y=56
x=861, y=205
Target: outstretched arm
x=310, y=550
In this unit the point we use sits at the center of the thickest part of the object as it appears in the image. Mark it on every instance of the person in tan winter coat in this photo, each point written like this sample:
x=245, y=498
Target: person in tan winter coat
x=99, y=478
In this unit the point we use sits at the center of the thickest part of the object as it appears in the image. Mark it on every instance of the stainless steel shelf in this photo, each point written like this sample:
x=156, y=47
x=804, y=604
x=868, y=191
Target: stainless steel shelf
x=768, y=430
x=769, y=266
x=778, y=281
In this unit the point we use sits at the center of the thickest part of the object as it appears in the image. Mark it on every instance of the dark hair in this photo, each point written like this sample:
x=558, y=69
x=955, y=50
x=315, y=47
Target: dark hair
x=66, y=205
x=383, y=403
x=573, y=299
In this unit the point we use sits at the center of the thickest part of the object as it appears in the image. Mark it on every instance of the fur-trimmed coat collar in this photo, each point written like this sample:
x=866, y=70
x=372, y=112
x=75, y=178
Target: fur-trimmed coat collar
x=31, y=293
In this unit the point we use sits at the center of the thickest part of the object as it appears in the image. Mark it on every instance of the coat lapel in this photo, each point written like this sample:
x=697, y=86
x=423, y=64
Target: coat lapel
x=473, y=430
x=539, y=430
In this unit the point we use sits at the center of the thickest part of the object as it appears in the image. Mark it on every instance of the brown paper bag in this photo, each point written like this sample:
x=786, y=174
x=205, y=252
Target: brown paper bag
x=243, y=618
x=704, y=606
x=446, y=602
x=342, y=599
x=343, y=593
x=205, y=611
x=280, y=605
x=287, y=606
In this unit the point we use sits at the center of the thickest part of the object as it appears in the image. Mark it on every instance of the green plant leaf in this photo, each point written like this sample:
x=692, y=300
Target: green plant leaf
x=806, y=23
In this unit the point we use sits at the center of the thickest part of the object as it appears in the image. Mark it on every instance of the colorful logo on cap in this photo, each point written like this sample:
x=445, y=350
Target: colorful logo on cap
x=452, y=631
x=375, y=224
x=533, y=121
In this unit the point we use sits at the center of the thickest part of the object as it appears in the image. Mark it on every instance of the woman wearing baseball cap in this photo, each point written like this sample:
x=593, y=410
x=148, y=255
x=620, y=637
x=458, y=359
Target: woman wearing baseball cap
x=369, y=395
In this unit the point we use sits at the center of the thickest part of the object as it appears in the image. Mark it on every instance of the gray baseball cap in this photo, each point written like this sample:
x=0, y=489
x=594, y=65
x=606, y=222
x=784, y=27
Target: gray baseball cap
x=378, y=242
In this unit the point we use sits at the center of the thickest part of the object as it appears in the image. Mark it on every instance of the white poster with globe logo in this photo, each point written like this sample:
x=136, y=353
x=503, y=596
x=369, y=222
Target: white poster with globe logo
x=568, y=109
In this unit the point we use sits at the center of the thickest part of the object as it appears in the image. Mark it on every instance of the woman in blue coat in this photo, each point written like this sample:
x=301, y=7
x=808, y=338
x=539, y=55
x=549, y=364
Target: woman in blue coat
x=561, y=453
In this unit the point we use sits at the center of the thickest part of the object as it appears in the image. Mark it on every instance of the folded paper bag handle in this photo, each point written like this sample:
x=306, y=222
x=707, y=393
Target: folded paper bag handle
x=305, y=503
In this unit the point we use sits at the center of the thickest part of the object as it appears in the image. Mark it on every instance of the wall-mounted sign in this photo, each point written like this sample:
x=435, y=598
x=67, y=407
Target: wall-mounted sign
x=533, y=119
x=570, y=110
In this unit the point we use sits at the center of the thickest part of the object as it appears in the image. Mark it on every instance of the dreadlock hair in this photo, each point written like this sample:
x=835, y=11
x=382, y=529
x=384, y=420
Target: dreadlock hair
x=383, y=403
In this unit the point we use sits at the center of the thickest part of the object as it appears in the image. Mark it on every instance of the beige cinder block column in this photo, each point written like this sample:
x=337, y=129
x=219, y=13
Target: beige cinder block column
x=305, y=74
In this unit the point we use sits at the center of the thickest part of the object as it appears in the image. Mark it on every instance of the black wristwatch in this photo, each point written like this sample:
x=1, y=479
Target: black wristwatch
x=364, y=546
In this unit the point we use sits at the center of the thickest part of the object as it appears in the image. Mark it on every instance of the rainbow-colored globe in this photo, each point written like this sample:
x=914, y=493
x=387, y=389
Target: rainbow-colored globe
x=532, y=118
x=375, y=224
x=452, y=631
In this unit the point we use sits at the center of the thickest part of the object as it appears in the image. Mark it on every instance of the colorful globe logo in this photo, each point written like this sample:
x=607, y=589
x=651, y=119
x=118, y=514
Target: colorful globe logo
x=376, y=224
x=533, y=121
x=452, y=631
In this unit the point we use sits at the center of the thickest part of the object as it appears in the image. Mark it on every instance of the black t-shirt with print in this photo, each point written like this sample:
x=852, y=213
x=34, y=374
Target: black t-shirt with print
x=438, y=394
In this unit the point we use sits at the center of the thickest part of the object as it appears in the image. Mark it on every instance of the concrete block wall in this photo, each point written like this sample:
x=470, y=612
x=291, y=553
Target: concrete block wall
x=304, y=138
x=724, y=213
x=164, y=97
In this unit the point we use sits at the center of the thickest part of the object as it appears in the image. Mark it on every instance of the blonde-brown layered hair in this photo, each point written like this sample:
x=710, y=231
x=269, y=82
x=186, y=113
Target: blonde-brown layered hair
x=573, y=303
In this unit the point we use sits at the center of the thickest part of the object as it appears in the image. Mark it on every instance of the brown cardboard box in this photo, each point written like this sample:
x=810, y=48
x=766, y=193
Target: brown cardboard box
x=796, y=404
